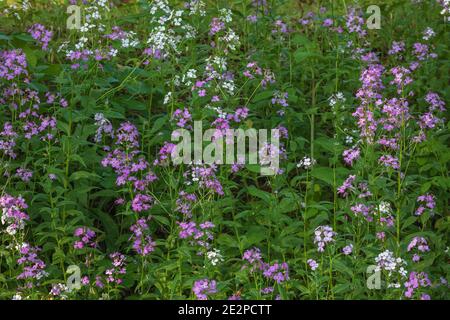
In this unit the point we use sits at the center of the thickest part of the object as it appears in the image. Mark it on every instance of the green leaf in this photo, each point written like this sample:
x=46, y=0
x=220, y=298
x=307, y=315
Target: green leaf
x=324, y=174
x=263, y=195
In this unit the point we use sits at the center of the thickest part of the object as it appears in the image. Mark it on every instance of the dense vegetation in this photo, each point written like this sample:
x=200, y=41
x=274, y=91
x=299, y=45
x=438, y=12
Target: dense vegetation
x=86, y=174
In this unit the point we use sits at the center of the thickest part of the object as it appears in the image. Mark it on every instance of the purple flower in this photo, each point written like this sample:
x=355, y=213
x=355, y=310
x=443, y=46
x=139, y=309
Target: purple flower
x=422, y=51
x=252, y=18
x=127, y=135
x=13, y=64
x=165, y=153
x=182, y=118
x=389, y=161
x=267, y=290
x=253, y=256
x=215, y=26
x=312, y=264
x=142, y=242
x=141, y=202
x=362, y=209
x=184, y=203
x=278, y=271
x=327, y=23
x=104, y=127
x=415, y=281
x=203, y=288
x=397, y=47
x=280, y=27
x=426, y=202
x=322, y=236
x=346, y=186
x=355, y=23
x=86, y=238
x=13, y=214
x=351, y=155
x=24, y=174
x=32, y=266
x=199, y=236
x=435, y=102
x=368, y=94
x=252, y=70
x=348, y=249
x=381, y=235
x=118, y=268
x=8, y=140
x=41, y=35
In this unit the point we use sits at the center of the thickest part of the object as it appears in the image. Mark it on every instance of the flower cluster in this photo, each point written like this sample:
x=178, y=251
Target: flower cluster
x=86, y=238
x=182, y=118
x=119, y=268
x=127, y=39
x=13, y=215
x=41, y=35
x=346, y=187
x=13, y=65
x=59, y=290
x=360, y=209
x=280, y=99
x=417, y=280
x=24, y=174
x=385, y=214
x=278, y=272
x=306, y=163
x=8, y=140
x=204, y=287
x=184, y=203
x=206, y=178
x=141, y=202
x=322, y=236
x=33, y=267
x=166, y=152
x=426, y=202
x=347, y=250
x=197, y=234
x=142, y=243
x=369, y=94
x=312, y=264
x=125, y=160
x=214, y=256
x=104, y=127
x=388, y=262
x=253, y=257
x=421, y=244
x=351, y=155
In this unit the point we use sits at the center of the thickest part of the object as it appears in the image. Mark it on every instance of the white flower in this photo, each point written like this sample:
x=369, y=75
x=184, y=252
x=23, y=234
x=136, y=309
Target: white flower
x=226, y=15
x=428, y=33
x=384, y=207
x=229, y=86
x=387, y=261
x=348, y=140
x=335, y=98
x=17, y=296
x=306, y=163
x=167, y=97
x=214, y=256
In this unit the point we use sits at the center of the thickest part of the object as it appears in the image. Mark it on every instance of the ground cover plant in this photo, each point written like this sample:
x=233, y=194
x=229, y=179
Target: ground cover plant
x=93, y=207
